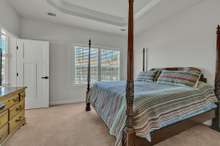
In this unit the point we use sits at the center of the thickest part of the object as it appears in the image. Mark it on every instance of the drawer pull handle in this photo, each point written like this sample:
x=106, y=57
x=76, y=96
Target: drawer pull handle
x=18, y=120
x=18, y=108
x=16, y=99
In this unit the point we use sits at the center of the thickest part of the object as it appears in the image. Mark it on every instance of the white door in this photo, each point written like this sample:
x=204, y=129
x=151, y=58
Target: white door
x=33, y=72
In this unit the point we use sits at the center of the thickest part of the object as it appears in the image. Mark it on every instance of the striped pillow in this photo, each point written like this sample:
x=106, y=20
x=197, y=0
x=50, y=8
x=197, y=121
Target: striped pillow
x=157, y=73
x=146, y=76
x=181, y=78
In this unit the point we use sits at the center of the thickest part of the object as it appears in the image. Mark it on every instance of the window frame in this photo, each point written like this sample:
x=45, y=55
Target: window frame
x=99, y=48
x=6, y=55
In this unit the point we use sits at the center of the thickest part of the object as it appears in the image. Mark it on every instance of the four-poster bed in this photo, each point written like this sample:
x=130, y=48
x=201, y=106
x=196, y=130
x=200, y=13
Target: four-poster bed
x=144, y=59
x=129, y=136
x=88, y=108
x=216, y=121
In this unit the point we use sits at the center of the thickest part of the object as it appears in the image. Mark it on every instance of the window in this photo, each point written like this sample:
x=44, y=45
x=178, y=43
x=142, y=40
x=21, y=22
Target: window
x=81, y=64
x=105, y=65
x=110, y=65
x=3, y=59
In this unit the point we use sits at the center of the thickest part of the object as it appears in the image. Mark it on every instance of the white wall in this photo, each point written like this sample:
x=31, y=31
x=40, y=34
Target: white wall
x=186, y=39
x=62, y=40
x=9, y=20
x=12, y=43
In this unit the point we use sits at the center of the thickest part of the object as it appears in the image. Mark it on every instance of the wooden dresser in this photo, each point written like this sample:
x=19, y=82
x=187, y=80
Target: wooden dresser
x=12, y=111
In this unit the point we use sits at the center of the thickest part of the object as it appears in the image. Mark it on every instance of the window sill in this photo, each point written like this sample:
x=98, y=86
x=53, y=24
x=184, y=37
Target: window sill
x=79, y=85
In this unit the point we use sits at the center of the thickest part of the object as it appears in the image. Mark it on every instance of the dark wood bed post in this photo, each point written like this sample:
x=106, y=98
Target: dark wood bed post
x=129, y=132
x=88, y=108
x=216, y=122
x=144, y=59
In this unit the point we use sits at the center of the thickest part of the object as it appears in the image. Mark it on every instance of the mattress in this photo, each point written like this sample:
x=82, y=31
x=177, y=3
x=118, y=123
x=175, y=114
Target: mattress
x=155, y=105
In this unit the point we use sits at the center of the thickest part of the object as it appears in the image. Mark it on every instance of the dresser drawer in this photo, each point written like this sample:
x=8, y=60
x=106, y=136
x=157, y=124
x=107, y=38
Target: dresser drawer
x=3, y=132
x=3, y=118
x=16, y=122
x=12, y=101
x=13, y=111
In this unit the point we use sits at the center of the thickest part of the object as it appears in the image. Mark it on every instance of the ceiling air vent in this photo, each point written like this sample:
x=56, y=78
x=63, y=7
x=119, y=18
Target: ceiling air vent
x=51, y=14
x=122, y=29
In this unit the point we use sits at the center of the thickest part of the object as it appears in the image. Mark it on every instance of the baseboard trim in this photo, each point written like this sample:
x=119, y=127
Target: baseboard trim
x=65, y=101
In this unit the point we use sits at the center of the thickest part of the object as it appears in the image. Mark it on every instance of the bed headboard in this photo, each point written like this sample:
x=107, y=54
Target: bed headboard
x=202, y=78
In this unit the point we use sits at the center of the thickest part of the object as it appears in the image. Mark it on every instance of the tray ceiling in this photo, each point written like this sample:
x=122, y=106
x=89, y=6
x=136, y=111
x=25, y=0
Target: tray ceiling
x=102, y=15
x=112, y=7
x=112, y=12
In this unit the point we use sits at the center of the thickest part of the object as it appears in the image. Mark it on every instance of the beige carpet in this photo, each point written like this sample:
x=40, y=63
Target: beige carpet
x=69, y=125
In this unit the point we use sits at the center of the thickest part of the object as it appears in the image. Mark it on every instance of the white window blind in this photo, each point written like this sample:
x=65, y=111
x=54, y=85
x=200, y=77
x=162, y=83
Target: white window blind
x=105, y=65
x=110, y=65
x=81, y=65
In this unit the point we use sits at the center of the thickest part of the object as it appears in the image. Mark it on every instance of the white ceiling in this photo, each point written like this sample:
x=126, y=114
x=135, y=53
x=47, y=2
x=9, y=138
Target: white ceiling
x=102, y=15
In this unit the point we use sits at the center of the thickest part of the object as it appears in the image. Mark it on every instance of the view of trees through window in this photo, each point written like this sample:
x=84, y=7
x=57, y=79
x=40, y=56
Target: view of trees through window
x=105, y=65
x=3, y=59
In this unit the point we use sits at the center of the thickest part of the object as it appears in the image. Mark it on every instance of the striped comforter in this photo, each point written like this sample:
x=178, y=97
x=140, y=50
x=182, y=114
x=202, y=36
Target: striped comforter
x=155, y=105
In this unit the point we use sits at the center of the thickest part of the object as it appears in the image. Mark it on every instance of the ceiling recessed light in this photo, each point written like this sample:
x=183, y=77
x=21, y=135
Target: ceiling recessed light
x=123, y=29
x=51, y=14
